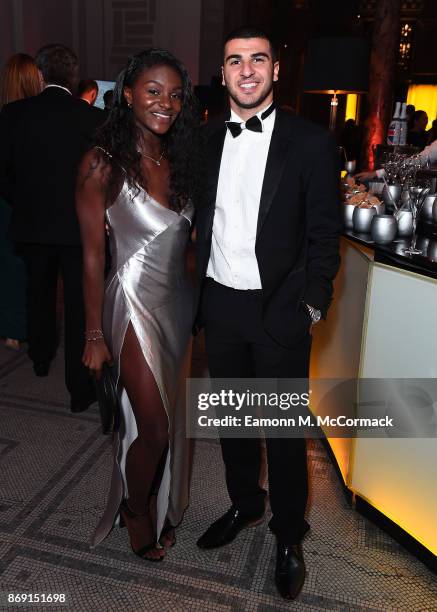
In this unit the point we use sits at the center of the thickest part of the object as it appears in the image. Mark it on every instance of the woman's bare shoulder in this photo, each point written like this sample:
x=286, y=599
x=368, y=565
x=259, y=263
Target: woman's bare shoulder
x=95, y=166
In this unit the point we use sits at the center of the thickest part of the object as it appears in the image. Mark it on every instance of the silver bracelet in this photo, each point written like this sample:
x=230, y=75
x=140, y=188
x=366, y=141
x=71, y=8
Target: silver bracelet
x=93, y=335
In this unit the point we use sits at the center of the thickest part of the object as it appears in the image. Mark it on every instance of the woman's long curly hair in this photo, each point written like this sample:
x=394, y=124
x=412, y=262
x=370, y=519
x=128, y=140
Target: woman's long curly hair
x=120, y=134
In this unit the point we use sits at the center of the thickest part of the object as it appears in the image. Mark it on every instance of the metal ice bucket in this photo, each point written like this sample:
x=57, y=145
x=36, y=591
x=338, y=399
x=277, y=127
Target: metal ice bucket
x=380, y=208
x=348, y=211
x=362, y=218
x=383, y=229
x=391, y=194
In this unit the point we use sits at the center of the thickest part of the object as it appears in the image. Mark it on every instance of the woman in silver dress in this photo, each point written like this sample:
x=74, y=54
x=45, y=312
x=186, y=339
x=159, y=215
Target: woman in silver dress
x=139, y=180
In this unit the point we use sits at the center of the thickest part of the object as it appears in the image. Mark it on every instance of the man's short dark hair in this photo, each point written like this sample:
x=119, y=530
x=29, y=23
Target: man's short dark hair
x=252, y=32
x=86, y=86
x=59, y=65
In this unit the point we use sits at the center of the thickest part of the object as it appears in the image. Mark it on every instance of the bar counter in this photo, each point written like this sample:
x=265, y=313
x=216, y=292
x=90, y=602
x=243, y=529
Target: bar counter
x=383, y=324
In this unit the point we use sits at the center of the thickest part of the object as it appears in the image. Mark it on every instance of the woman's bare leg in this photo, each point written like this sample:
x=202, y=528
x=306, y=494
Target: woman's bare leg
x=146, y=454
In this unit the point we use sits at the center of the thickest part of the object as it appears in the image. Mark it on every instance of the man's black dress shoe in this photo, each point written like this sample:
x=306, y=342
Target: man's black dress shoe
x=41, y=368
x=226, y=528
x=290, y=570
x=81, y=404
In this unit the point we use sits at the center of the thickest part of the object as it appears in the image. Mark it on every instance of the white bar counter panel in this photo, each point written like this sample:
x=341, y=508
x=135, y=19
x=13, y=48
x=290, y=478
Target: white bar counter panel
x=383, y=324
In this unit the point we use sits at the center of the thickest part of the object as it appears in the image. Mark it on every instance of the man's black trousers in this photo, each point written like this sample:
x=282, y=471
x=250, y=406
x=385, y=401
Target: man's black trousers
x=44, y=263
x=237, y=346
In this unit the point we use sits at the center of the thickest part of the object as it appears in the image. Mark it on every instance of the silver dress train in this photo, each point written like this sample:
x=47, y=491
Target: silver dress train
x=149, y=287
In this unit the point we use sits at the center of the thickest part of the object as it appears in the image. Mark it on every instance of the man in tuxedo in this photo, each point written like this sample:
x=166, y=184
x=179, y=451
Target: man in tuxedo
x=42, y=140
x=267, y=253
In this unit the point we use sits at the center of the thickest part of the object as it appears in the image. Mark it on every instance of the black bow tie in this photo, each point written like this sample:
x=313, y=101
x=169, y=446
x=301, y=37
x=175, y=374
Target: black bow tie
x=253, y=124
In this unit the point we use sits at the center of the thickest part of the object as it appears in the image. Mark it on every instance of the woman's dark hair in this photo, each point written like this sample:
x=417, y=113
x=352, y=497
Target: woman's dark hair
x=120, y=134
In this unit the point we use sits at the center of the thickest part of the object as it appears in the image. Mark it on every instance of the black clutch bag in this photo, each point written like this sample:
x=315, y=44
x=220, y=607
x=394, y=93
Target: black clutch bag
x=107, y=399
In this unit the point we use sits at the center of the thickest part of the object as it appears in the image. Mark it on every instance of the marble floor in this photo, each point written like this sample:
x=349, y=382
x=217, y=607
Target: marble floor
x=54, y=472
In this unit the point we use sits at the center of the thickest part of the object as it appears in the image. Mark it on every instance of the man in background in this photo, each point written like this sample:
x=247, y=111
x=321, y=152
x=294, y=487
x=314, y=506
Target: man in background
x=42, y=140
x=88, y=90
x=108, y=98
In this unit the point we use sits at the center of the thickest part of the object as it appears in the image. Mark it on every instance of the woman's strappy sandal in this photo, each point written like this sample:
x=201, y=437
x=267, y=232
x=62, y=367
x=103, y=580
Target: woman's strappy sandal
x=126, y=519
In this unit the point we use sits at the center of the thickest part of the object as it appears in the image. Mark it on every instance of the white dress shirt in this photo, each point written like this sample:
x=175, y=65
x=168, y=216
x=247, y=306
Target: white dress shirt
x=232, y=260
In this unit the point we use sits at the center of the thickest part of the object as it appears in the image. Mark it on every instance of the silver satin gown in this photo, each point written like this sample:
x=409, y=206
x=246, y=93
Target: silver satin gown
x=149, y=286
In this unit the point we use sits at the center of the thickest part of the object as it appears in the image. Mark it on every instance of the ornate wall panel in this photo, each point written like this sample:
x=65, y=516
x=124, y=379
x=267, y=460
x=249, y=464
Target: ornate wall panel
x=130, y=26
x=105, y=33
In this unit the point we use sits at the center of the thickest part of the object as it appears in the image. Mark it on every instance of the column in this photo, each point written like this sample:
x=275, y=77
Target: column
x=385, y=40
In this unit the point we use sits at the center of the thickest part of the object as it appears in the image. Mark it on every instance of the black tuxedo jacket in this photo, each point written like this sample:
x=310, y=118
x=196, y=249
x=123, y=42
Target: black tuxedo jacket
x=298, y=223
x=42, y=140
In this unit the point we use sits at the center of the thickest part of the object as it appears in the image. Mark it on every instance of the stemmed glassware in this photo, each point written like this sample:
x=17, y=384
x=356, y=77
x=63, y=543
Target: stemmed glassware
x=405, y=191
x=417, y=191
x=393, y=163
x=408, y=168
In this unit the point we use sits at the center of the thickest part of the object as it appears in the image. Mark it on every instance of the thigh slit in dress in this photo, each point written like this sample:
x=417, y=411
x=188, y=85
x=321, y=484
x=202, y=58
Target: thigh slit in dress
x=149, y=286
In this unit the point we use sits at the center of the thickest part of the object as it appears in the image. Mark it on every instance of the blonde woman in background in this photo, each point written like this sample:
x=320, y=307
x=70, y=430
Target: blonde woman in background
x=21, y=79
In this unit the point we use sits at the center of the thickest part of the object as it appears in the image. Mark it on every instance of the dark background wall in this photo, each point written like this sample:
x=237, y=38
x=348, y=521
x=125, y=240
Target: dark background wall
x=103, y=32
x=106, y=32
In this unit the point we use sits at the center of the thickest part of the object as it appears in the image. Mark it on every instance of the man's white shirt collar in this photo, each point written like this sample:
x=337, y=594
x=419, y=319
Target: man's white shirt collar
x=267, y=123
x=59, y=86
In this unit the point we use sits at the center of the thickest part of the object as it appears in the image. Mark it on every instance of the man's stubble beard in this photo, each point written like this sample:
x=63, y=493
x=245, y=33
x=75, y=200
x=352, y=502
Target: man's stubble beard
x=254, y=104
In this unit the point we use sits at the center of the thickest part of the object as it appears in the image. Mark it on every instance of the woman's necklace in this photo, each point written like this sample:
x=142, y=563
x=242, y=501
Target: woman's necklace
x=156, y=161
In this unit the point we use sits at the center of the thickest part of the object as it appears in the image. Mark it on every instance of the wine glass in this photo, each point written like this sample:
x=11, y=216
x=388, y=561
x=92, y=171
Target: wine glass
x=417, y=191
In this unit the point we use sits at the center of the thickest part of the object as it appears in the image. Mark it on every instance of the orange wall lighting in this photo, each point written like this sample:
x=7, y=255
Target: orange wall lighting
x=424, y=97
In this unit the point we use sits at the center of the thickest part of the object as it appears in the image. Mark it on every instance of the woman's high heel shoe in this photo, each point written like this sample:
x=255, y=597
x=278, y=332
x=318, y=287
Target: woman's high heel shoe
x=126, y=519
x=166, y=540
